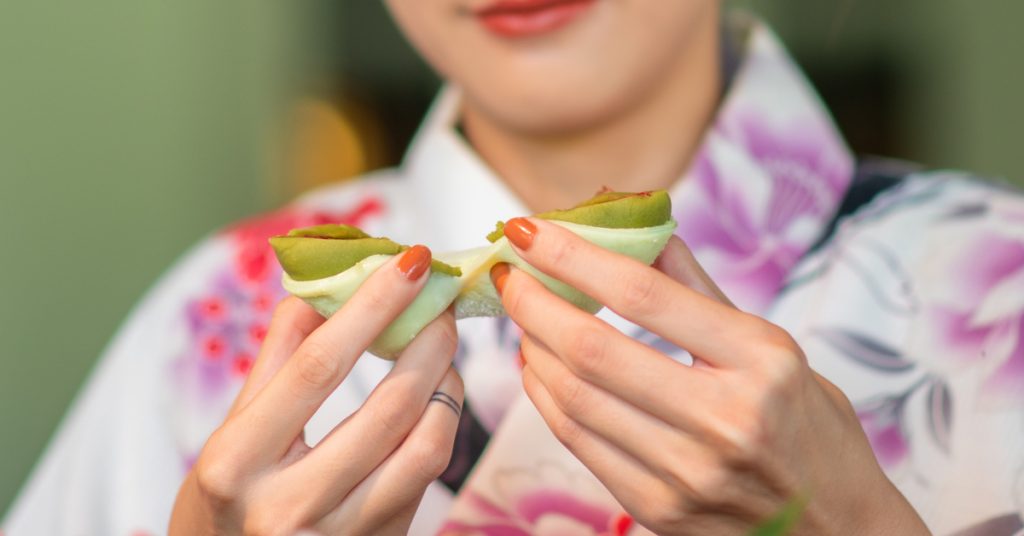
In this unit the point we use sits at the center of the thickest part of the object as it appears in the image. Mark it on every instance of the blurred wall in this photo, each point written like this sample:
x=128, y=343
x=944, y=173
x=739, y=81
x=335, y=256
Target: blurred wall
x=952, y=71
x=130, y=128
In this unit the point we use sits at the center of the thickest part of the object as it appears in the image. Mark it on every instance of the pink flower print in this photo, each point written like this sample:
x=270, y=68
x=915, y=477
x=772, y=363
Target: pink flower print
x=547, y=500
x=976, y=314
x=883, y=424
x=242, y=364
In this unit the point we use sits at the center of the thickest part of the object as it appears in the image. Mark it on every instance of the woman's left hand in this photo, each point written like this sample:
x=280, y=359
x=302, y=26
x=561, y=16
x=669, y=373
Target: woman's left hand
x=716, y=448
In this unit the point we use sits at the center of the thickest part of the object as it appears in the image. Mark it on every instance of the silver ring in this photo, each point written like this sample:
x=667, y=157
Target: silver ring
x=447, y=400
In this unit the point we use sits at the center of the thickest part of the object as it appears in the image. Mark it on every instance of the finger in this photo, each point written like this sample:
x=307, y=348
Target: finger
x=292, y=322
x=279, y=411
x=632, y=485
x=694, y=500
x=686, y=457
x=397, y=485
x=649, y=298
x=657, y=444
x=678, y=262
x=597, y=352
x=359, y=444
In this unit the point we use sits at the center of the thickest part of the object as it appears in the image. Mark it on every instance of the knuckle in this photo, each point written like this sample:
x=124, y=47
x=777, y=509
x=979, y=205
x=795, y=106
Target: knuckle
x=429, y=458
x=390, y=413
x=709, y=489
x=563, y=252
x=567, y=431
x=639, y=293
x=218, y=479
x=572, y=395
x=265, y=522
x=585, y=350
x=453, y=385
x=317, y=366
x=776, y=344
x=745, y=441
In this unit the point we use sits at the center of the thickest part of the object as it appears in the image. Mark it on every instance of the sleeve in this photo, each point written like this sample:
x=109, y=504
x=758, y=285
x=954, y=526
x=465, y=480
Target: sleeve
x=915, y=310
x=114, y=465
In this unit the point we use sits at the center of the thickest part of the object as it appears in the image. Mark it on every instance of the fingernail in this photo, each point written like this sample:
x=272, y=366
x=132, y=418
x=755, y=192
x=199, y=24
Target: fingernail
x=520, y=231
x=522, y=359
x=499, y=274
x=414, y=262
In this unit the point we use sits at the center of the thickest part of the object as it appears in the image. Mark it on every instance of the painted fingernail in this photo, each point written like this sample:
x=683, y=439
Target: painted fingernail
x=414, y=262
x=499, y=275
x=520, y=231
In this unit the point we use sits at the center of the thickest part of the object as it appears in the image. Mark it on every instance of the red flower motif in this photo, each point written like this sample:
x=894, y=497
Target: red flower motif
x=621, y=524
x=241, y=365
x=213, y=347
x=212, y=308
x=258, y=332
x=263, y=302
x=254, y=259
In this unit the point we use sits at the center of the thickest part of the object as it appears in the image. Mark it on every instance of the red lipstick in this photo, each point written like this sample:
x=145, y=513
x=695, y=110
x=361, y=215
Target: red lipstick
x=523, y=18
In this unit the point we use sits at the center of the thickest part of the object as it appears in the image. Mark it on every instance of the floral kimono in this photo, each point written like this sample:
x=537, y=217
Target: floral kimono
x=904, y=288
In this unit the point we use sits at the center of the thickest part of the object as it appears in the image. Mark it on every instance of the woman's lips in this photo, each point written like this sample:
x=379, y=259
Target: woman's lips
x=522, y=18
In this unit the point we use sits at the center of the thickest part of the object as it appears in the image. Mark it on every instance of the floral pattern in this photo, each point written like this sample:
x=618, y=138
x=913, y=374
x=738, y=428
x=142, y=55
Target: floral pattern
x=977, y=315
x=761, y=187
x=227, y=322
x=547, y=500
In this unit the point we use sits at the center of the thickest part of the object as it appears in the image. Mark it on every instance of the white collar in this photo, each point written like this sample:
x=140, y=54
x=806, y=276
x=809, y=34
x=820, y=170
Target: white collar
x=460, y=196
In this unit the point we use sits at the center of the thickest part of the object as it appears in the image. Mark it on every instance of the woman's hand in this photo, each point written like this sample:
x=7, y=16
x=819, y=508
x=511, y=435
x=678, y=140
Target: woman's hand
x=257, y=475
x=717, y=448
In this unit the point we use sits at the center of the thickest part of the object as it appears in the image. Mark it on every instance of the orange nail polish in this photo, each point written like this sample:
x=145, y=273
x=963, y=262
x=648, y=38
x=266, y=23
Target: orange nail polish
x=520, y=231
x=414, y=262
x=499, y=274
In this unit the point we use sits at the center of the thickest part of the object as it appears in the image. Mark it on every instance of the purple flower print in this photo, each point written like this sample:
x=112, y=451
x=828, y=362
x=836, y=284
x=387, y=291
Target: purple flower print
x=978, y=318
x=763, y=191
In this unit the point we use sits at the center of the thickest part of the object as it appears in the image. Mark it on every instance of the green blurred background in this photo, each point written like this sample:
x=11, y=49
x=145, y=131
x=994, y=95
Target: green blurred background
x=131, y=128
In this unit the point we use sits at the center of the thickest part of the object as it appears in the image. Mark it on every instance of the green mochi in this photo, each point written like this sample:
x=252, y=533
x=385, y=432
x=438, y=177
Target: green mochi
x=611, y=210
x=325, y=265
x=321, y=251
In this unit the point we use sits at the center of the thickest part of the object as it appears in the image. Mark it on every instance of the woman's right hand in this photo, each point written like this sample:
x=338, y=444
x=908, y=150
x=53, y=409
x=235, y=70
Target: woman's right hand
x=257, y=475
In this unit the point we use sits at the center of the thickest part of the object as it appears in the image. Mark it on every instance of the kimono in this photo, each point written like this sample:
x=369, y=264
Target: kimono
x=904, y=287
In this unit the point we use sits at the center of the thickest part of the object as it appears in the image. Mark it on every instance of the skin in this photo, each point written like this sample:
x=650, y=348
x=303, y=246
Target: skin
x=617, y=98
x=257, y=475
x=758, y=428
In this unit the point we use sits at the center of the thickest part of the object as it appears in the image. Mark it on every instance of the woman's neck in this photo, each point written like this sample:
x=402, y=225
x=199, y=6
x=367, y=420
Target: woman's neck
x=647, y=146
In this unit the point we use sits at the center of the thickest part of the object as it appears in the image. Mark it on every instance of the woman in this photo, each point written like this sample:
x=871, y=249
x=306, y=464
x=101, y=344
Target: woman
x=912, y=307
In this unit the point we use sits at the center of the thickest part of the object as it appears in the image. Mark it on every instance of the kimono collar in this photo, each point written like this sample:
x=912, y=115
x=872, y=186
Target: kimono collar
x=770, y=174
